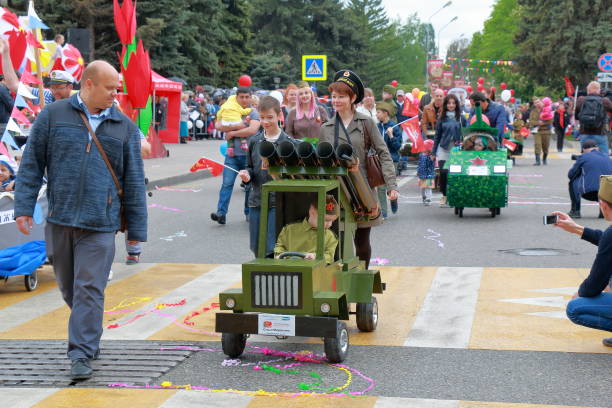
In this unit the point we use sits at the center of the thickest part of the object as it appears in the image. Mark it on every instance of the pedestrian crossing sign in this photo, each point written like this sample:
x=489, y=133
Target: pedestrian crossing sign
x=314, y=67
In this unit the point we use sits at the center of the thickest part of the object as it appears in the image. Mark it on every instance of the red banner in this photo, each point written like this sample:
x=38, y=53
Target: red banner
x=413, y=131
x=447, y=79
x=569, y=88
x=435, y=68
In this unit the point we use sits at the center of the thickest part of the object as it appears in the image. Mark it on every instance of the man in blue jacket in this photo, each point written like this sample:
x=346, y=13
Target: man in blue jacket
x=84, y=204
x=591, y=306
x=393, y=138
x=584, y=175
x=495, y=113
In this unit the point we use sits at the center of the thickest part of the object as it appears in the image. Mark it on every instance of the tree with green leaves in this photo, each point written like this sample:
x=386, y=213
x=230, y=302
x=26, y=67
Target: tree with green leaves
x=562, y=38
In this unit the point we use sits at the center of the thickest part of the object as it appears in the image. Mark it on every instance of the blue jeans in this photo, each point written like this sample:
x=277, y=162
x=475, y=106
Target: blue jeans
x=602, y=142
x=254, y=216
x=594, y=312
x=229, y=177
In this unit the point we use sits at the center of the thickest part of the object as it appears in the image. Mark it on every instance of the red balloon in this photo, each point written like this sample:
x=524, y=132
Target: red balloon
x=493, y=89
x=481, y=80
x=245, y=80
x=513, y=99
x=512, y=92
x=445, y=92
x=469, y=89
x=480, y=88
x=394, y=83
x=503, y=85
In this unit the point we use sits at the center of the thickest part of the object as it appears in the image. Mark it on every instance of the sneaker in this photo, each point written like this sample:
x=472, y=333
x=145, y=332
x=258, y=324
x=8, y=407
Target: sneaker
x=393, y=206
x=132, y=259
x=574, y=214
x=443, y=203
x=607, y=342
x=80, y=369
x=220, y=218
x=427, y=202
x=110, y=275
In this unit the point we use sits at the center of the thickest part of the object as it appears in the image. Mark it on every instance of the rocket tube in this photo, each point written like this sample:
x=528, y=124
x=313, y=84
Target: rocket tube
x=267, y=151
x=307, y=154
x=327, y=156
x=362, y=188
x=287, y=154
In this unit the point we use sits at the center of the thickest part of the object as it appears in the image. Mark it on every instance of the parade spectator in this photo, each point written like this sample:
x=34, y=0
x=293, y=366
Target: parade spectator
x=393, y=138
x=494, y=112
x=184, y=129
x=360, y=131
x=290, y=100
x=231, y=114
x=239, y=161
x=7, y=176
x=591, y=306
x=585, y=173
x=544, y=132
x=560, y=122
x=256, y=174
x=400, y=101
x=85, y=203
x=426, y=172
x=6, y=106
x=302, y=236
x=368, y=107
x=388, y=95
x=427, y=98
x=431, y=113
x=305, y=120
x=593, y=113
x=448, y=135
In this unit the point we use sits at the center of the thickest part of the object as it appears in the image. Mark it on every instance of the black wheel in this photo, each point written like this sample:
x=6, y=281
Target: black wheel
x=493, y=212
x=336, y=348
x=461, y=212
x=456, y=210
x=31, y=281
x=367, y=315
x=233, y=344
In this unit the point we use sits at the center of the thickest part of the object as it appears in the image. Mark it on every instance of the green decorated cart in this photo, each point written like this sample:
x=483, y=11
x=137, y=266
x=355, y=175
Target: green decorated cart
x=478, y=178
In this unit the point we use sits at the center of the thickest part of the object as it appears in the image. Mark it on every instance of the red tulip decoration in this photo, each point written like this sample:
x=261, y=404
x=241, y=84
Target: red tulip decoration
x=394, y=83
x=125, y=21
x=469, y=89
x=18, y=44
x=513, y=99
x=481, y=80
x=245, y=80
x=137, y=77
x=503, y=85
x=512, y=92
x=480, y=88
x=72, y=61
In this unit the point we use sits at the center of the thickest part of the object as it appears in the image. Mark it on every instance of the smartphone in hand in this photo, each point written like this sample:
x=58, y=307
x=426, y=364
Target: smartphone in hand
x=550, y=219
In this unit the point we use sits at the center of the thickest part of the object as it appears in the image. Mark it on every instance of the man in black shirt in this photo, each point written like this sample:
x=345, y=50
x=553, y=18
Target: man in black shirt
x=6, y=105
x=591, y=306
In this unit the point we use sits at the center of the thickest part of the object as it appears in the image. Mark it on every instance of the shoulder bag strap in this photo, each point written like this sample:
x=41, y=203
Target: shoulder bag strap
x=103, y=154
x=337, y=130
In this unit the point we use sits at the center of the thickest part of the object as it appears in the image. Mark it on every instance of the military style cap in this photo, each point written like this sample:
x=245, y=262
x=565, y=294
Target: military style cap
x=385, y=106
x=390, y=89
x=353, y=81
x=61, y=77
x=605, y=188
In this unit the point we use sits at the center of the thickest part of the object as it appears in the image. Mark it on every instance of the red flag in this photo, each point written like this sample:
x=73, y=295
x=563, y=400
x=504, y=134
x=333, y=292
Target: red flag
x=569, y=88
x=204, y=164
x=509, y=144
x=413, y=130
x=33, y=41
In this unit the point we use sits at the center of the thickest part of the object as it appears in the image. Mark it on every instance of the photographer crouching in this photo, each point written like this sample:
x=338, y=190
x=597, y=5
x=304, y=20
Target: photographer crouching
x=592, y=305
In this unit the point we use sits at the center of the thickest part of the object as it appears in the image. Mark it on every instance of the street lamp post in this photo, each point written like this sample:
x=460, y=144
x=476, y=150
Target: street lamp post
x=448, y=3
x=443, y=27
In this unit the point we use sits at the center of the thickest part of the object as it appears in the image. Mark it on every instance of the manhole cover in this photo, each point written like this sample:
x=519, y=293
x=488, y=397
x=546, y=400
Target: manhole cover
x=537, y=252
x=44, y=362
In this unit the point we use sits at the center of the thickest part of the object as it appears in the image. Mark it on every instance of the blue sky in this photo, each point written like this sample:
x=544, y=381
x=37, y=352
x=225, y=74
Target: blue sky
x=471, y=16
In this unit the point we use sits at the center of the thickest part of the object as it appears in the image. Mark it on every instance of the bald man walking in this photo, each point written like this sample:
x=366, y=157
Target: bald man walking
x=86, y=189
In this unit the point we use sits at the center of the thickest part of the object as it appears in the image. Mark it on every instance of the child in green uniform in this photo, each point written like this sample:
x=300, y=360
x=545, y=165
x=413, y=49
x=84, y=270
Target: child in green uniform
x=302, y=236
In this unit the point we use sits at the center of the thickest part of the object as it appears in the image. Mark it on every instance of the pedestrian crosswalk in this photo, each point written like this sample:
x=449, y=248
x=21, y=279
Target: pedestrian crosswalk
x=471, y=308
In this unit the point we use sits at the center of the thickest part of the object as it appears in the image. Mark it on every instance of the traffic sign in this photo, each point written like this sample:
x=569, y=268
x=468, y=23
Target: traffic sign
x=314, y=67
x=604, y=77
x=605, y=62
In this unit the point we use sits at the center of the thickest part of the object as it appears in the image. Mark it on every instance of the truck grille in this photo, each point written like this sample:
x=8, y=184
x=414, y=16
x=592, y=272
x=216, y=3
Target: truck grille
x=276, y=289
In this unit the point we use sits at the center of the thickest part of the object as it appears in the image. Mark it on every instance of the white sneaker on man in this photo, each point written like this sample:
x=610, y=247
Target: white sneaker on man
x=443, y=203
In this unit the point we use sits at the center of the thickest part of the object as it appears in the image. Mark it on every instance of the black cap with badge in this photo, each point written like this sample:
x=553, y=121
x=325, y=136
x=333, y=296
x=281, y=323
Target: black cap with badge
x=352, y=81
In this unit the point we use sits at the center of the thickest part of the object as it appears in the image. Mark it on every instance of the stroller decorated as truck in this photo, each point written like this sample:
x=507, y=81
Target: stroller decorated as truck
x=292, y=294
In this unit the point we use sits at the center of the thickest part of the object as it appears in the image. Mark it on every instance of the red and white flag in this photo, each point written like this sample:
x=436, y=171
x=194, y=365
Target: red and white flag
x=207, y=164
x=413, y=131
x=509, y=144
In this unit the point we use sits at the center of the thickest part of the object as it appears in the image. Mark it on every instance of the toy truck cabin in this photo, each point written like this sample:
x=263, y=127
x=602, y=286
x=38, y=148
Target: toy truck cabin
x=288, y=295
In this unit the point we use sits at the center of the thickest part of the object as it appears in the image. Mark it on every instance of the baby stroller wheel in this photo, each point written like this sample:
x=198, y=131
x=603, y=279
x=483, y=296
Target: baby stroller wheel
x=31, y=281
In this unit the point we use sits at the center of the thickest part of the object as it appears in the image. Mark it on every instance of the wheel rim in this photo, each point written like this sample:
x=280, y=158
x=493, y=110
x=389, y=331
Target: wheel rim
x=375, y=313
x=343, y=341
x=32, y=280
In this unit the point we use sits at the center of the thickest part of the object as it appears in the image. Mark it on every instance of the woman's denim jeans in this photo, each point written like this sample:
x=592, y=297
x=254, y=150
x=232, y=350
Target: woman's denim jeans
x=594, y=312
x=254, y=216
